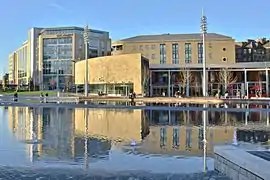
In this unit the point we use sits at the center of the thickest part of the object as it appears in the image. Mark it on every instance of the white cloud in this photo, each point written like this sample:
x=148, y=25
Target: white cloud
x=58, y=6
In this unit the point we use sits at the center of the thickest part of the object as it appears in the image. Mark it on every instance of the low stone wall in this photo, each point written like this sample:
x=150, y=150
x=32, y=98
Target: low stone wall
x=232, y=170
x=238, y=164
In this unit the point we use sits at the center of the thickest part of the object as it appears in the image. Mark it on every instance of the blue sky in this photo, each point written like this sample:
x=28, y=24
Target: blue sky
x=122, y=18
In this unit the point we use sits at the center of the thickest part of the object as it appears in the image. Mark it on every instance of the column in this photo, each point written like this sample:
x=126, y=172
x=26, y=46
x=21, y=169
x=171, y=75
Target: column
x=172, y=85
x=267, y=117
x=245, y=81
x=170, y=118
x=206, y=81
x=246, y=117
x=267, y=82
x=150, y=84
x=169, y=84
x=150, y=115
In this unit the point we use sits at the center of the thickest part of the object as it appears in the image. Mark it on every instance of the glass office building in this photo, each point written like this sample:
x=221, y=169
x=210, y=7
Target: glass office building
x=60, y=48
x=57, y=62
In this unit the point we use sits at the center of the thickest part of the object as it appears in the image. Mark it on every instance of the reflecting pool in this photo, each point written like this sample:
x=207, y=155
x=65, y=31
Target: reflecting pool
x=158, y=141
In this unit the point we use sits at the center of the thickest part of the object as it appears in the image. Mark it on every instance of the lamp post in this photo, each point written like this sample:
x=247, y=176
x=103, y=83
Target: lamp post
x=204, y=31
x=86, y=42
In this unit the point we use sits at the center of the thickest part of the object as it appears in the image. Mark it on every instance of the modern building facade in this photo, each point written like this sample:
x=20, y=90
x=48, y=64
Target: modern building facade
x=51, y=53
x=12, y=68
x=176, y=64
x=23, y=64
x=117, y=75
x=60, y=48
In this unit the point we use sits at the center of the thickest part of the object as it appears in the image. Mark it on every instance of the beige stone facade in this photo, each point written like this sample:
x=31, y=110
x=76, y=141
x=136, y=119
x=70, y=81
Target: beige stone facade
x=114, y=74
x=220, y=49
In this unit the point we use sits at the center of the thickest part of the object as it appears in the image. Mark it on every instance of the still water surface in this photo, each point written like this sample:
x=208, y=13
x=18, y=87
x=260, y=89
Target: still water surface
x=145, y=140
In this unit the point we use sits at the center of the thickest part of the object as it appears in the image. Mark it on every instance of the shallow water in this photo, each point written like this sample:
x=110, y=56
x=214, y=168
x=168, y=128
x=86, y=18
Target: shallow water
x=166, y=142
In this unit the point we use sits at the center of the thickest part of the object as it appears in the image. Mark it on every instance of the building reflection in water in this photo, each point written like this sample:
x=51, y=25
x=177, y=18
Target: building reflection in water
x=85, y=136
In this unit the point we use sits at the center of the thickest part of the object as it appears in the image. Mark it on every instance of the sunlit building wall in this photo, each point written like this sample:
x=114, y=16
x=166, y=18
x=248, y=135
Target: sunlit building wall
x=13, y=68
x=23, y=64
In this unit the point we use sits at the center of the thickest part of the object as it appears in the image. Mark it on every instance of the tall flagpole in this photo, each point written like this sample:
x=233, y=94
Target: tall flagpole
x=204, y=31
x=86, y=42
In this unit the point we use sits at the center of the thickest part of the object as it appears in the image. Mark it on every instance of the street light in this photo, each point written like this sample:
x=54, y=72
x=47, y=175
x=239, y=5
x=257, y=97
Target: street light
x=86, y=42
x=204, y=31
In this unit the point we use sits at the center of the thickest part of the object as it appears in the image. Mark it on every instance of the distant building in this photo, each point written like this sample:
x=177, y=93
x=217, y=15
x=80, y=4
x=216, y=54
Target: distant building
x=12, y=68
x=51, y=51
x=176, y=63
x=253, y=50
x=6, y=80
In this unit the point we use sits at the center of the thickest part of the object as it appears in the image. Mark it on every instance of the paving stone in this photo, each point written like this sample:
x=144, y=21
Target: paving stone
x=29, y=174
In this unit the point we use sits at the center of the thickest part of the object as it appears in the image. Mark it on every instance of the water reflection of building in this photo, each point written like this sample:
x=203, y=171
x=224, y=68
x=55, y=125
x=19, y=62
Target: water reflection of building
x=113, y=124
x=62, y=131
x=57, y=131
x=25, y=124
x=181, y=132
x=69, y=134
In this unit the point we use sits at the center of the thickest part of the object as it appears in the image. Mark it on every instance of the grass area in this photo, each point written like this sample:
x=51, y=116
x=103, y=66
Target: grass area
x=30, y=93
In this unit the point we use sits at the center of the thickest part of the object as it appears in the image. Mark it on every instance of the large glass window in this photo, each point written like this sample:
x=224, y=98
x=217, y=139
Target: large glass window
x=188, y=137
x=175, y=53
x=200, y=52
x=200, y=138
x=57, y=61
x=162, y=54
x=188, y=52
x=176, y=137
x=163, y=137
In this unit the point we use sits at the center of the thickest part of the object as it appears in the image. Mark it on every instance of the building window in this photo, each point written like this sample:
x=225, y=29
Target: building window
x=163, y=137
x=200, y=139
x=188, y=137
x=175, y=53
x=162, y=54
x=176, y=138
x=188, y=52
x=200, y=52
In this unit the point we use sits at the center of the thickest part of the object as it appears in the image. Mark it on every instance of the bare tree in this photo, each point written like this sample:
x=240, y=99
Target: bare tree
x=185, y=76
x=68, y=82
x=145, y=80
x=226, y=78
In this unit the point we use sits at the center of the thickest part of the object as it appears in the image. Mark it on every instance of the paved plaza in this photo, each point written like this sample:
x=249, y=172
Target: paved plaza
x=8, y=173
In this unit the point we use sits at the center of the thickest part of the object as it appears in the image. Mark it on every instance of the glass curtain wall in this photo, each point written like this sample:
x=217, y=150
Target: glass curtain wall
x=57, y=63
